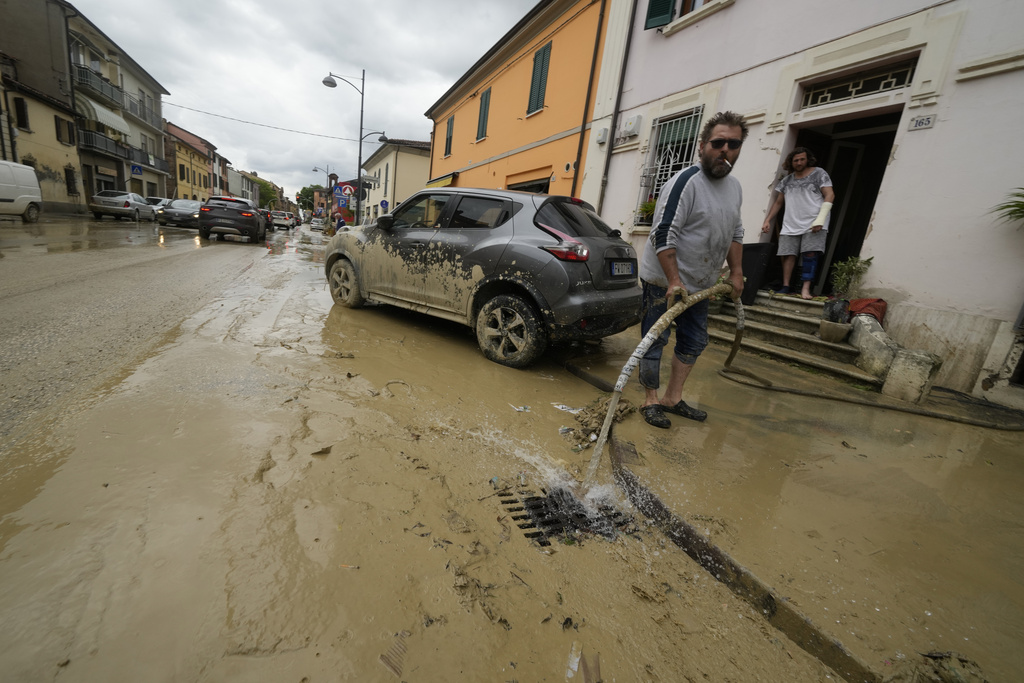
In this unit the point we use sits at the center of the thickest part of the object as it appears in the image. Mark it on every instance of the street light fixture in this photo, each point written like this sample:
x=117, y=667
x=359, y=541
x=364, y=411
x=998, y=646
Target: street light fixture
x=327, y=185
x=361, y=89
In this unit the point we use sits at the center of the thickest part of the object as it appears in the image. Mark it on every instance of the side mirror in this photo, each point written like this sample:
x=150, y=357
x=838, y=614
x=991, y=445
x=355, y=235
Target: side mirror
x=386, y=222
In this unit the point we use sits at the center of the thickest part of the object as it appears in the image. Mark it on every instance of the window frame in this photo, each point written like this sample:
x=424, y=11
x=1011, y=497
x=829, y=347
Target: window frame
x=21, y=114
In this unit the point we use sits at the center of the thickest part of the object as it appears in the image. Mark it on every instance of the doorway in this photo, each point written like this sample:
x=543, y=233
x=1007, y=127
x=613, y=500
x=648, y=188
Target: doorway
x=855, y=154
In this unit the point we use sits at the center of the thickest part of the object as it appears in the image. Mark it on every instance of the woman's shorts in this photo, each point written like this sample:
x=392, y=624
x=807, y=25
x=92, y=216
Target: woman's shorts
x=791, y=245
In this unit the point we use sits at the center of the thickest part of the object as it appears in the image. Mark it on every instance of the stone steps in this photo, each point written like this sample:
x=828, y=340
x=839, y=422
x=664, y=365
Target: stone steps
x=786, y=328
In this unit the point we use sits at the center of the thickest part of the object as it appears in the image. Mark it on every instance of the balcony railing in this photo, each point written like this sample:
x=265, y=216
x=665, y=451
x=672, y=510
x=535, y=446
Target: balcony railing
x=92, y=140
x=89, y=79
x=139, y=110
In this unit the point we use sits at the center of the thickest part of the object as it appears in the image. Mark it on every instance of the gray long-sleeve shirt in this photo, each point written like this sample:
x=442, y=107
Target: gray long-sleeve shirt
x=699, y=219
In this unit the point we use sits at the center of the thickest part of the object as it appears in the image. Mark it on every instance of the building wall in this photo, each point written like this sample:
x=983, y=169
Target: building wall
x=195, y=169
x=520, y=147
x=51, y=158
x=948, y=268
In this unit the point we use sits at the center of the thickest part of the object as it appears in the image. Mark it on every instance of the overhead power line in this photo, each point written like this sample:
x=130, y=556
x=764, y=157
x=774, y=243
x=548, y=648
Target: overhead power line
x=261, y=125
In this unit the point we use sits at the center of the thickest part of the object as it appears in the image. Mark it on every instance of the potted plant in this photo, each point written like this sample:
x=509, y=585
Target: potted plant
x=1012, y=210
x=645, y=212
x=846, y=279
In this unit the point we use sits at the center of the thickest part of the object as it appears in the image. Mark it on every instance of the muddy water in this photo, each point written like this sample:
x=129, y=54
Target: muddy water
x=286, y=490
x=896, y=534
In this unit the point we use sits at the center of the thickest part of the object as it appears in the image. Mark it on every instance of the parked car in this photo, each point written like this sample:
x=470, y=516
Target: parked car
x=19, y=191
x=292, y=219
x=523, y=270
x=231, y=216
x=158, y=201
x=121, y=204
x=280, y=218
x=268, y=220
x=316, y=224
x=180, y=212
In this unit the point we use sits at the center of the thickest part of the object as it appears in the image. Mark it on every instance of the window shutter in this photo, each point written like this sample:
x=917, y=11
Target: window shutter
x=538, y=85
x=71, y=132
x=659, y=13
x=448, y=136
x=485, y=107
x=60, y=128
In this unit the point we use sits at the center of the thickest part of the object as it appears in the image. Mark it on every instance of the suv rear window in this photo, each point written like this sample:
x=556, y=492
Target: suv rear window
x=578, y=220
x=228, y=204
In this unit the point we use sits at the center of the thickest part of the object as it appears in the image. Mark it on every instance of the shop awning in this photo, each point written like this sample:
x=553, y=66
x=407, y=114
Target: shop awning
x=94, y=111
x=443, y=181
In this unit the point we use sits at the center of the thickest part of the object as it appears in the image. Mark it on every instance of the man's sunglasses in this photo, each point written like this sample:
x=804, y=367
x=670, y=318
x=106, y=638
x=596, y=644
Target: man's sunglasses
x=720, y=143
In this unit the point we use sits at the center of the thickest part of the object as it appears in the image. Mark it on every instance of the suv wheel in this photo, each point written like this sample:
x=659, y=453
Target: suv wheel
x=509, y=331
x=344, y=284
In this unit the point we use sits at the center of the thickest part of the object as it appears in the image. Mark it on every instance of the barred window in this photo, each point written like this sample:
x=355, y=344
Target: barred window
x=673, y=148
x=891, y=77
x=70, y=180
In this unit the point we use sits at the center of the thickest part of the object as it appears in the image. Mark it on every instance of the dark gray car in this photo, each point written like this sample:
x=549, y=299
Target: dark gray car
x=231, y=216
x=180, y=212
x=521, y=269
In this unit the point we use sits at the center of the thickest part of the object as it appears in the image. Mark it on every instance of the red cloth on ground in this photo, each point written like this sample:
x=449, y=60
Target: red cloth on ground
x=873, y=307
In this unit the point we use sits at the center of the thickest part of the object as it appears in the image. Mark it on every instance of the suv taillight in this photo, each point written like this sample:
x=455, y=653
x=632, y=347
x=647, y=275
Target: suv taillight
x=204, y=208
x=568, y=248
x=247, y=214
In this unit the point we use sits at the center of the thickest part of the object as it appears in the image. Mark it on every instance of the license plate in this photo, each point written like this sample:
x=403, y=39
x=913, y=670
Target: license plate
x=622, y=268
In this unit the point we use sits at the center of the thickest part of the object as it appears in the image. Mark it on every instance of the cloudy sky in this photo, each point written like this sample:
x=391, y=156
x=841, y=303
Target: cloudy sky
x=263, y=61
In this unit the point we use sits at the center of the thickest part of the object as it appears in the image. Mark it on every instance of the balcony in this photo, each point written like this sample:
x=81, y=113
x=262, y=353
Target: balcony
x=89, y=139
x=132, y=105
x=93, y=83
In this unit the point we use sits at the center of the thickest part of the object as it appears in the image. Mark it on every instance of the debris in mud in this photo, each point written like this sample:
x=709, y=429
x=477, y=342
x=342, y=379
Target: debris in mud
x=326, y=450
x=520, y=409
x=591, y=420
x=568, y=409
x=937, y=667
x=340, y=354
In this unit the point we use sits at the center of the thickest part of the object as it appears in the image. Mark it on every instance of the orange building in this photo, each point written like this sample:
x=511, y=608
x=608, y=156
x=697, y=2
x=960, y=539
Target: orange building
x=519, y=119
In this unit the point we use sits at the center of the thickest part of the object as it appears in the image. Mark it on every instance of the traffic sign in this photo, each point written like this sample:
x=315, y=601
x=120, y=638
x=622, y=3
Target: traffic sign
x=343, y=203
x=339, y=191
x=384, y=204
x=136, y=169
x=349, y=190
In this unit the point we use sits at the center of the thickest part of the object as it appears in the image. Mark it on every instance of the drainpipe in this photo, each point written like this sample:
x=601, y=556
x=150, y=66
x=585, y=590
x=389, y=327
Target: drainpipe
x=586, y=104
x=615, y=109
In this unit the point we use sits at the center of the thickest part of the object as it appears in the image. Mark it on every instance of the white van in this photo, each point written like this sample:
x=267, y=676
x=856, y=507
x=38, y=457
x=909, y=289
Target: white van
x=19, y=191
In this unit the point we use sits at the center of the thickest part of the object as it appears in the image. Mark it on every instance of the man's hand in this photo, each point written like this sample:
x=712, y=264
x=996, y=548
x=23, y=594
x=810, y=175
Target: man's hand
x=675, y=292
x=816, y=228
x=737, y=285
x=767, y=225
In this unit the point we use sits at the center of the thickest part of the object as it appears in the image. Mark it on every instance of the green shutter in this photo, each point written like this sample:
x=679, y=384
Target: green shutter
x=659, y=13
x=485, y=107
x=539, y=84
x=448, y=137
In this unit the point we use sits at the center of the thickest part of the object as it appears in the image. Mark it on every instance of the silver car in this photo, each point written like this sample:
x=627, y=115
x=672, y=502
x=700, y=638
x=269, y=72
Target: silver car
x=522, y=270
x=121, y=204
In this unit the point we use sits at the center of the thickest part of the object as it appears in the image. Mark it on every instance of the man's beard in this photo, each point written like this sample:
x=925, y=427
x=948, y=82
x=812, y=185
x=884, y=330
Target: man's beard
x=714, y=167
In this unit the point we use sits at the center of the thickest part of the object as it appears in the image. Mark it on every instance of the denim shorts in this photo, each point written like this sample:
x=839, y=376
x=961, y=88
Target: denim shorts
x=691, y=333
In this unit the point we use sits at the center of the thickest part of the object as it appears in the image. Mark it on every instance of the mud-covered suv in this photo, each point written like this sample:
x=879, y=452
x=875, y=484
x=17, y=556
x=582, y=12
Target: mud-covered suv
x=231, y=216
x=521, y=269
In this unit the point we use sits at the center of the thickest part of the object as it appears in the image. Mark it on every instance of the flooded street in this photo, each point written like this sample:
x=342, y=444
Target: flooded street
x=209, y=473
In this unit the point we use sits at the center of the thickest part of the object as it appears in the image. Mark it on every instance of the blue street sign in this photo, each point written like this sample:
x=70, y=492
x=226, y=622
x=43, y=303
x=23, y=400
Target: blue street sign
x=384, y=204
x=338, y=191
x=343, y=203
x=136, y=169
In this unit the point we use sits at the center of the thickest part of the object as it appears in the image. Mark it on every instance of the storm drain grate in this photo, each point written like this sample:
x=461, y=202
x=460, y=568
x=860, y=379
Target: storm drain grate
x=559, y=513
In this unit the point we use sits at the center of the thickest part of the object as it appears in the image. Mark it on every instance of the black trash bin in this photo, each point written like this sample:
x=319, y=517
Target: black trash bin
x=756, y=257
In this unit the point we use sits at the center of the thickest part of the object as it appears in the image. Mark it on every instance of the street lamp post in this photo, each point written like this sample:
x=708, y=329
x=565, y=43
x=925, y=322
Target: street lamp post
x=331, y=83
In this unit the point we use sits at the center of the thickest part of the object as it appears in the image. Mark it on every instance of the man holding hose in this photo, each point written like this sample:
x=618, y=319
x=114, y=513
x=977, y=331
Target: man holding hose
x=696, y=227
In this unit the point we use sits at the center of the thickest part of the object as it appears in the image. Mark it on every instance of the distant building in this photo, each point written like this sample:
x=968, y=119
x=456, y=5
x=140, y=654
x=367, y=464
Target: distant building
x=401, y=167
x=192, y=158
x=121, y=136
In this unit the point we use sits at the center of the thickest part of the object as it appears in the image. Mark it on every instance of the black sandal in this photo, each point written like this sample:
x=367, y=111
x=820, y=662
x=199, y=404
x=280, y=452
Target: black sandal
x=654, y=415
x=686, y=411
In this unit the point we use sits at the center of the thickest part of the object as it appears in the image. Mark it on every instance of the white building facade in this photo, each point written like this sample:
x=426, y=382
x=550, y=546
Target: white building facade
x=900, y=100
